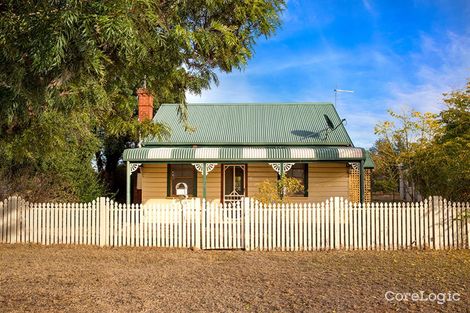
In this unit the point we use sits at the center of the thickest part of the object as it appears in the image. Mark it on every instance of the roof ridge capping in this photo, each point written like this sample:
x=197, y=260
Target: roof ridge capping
x=251, y=103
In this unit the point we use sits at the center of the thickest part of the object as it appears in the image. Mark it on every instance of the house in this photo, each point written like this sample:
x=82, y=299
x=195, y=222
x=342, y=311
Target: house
x=235, y=147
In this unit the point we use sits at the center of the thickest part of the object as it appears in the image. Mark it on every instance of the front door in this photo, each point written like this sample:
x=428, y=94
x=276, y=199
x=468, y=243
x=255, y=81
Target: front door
x=234, y=185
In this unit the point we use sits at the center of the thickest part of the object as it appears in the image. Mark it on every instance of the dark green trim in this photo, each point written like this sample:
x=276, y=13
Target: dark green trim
x=128, y=183
x=222, y=182
x=204, y=180
x=168, y=180
x=195, y=181
x=361, y=182
x=245, y=192
x=248, y=162
x=306, y=180
x=282, y=175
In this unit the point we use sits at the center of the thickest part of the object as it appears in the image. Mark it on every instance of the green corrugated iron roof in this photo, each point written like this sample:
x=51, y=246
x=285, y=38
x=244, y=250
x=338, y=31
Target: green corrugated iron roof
x=368, y=163
x=277, y=124
x=242, y=154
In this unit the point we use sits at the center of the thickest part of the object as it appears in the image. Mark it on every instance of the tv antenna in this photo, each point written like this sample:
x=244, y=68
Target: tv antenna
x=341, y=90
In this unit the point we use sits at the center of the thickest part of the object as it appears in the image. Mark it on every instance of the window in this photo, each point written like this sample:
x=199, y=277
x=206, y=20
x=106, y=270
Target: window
x=181, y=173
x=299, y=171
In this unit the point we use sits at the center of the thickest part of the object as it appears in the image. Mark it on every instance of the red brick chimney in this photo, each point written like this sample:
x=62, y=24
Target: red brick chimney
x=145, y=100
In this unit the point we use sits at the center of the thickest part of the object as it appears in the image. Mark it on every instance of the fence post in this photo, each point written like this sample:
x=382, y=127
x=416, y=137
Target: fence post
x=196, y=205
x=2, y=224
x=436, y=209
x=13, y=218
x=203, y=221
x=336, y=222
x=107, y=228
x=467, y=219
x=246, y=224
x=103, y=209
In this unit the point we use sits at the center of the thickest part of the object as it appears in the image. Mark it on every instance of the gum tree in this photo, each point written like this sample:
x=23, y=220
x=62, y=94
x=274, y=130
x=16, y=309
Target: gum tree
x=69, y=70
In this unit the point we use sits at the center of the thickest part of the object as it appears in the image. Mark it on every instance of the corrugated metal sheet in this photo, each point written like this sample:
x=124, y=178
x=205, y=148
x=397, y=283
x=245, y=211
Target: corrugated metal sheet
x=245, y=154
x=368, y=163
x=253, y=124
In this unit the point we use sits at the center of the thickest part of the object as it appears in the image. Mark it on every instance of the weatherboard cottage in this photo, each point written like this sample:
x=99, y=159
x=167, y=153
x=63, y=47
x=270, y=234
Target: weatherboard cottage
x=235, y=147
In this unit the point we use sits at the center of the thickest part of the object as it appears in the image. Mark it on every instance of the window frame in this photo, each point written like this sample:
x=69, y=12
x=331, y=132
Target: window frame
x=169, y=181
x=305, y=168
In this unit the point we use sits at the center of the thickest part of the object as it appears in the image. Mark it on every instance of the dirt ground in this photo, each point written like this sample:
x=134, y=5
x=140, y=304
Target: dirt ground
x=90, y=279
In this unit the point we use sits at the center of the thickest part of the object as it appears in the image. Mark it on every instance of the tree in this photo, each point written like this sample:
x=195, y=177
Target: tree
x=385, y=175
x=398, y=142
x=443, y=167
x=431, y=149
x=69, y=70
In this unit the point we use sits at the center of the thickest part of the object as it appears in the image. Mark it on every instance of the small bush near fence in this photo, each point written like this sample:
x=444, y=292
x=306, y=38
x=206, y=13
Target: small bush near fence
x=334, y=224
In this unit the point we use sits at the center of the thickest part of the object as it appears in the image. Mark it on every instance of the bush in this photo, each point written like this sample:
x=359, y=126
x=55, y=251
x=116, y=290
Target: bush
x=278, y=191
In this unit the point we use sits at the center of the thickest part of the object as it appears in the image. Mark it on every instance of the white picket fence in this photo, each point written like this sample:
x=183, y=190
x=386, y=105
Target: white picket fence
x=334, y=224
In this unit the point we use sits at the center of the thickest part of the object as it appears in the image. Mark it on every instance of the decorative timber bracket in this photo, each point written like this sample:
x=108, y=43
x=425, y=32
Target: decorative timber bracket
x=200, y=167
x=135, y=166
x=277, y=167
x=355, y=166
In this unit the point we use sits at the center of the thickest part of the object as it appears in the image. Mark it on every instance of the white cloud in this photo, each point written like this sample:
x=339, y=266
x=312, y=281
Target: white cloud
x=232, y=88
x=361, y=120
x=439, y=68
x=368, y=7
x=381, y=78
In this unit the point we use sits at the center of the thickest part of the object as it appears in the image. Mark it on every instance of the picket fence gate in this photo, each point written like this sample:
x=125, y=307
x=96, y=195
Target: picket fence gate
x=334, y=224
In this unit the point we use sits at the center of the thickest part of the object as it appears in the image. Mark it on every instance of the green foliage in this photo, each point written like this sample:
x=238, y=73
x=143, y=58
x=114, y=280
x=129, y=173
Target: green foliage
x=385, y=175
x=443, y=167
x=398, y=141
x=69, y=70
x=431, y=148
x=46, y=161
x=278, y=191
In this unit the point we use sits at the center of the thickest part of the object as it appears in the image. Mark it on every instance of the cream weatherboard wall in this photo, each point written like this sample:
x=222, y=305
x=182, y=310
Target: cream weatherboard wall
x=154, y=182
x=325, y=180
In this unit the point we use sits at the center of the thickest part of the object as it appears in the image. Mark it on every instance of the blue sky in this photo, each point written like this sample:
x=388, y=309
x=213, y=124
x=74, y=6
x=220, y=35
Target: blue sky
x=393, y=54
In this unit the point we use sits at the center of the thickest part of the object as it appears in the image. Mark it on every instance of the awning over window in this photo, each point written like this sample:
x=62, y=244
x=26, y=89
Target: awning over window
x=243, y=154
